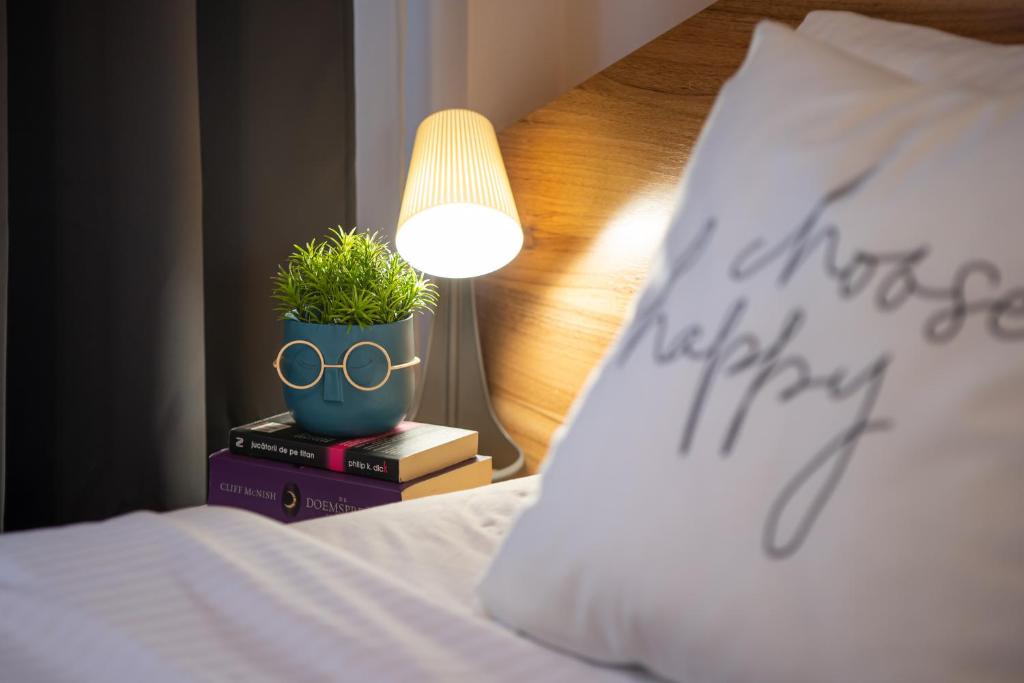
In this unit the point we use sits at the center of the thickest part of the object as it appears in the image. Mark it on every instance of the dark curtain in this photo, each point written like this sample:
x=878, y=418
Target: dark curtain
x=149, y=140
x=3, y=245
x=278, y=125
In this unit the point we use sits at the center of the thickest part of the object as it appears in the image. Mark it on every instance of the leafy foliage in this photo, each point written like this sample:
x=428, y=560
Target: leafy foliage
x=350, y=278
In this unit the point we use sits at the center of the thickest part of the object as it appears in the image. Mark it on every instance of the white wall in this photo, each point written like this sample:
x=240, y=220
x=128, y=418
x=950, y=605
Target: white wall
x=380, y=147
x=521, y=55
x=501, y=58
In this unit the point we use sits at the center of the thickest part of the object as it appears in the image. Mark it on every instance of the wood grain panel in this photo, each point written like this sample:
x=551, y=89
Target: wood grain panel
x=594, y=175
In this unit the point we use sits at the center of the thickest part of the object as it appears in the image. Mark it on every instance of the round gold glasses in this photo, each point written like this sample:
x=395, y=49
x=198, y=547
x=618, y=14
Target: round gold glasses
x=343, y=366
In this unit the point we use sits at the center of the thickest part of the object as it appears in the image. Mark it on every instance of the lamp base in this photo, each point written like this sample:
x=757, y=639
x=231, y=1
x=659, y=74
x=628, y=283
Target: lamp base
x=454, y=387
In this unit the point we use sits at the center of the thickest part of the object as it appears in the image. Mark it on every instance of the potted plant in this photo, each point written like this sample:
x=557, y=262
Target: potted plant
x=348, y=355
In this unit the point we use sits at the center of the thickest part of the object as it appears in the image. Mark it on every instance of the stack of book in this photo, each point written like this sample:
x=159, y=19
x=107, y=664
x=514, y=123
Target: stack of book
x=277, y=469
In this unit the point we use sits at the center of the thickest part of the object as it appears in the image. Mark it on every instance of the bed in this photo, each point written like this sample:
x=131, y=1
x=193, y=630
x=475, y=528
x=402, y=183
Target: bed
x=222, y=594
x=390, y=594
x=592, y=222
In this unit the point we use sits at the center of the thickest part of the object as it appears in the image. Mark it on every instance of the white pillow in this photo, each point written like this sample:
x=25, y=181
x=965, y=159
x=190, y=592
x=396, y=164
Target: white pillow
x=922, y=54
x=803, y=457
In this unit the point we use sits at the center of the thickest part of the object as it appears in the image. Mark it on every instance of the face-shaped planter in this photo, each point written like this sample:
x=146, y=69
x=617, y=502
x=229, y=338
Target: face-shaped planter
x=347, y=381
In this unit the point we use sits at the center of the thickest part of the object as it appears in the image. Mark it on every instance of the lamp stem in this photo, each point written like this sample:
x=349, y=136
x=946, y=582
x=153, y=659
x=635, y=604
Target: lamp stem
x=454, y=387
x=452, y=393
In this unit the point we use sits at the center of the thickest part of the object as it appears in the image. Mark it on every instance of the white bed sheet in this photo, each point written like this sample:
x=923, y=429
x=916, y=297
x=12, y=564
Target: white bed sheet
x=440, y=545
x=221, y=594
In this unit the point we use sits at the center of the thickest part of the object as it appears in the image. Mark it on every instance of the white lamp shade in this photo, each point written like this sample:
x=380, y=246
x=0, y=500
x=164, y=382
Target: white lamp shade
x=458, y=217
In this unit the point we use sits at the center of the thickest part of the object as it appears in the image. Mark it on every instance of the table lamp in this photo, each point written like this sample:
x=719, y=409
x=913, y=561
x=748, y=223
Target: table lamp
x=458, y=221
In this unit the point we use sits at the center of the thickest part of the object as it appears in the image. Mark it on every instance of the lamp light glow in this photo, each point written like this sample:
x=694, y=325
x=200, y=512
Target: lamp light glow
x=458, y=216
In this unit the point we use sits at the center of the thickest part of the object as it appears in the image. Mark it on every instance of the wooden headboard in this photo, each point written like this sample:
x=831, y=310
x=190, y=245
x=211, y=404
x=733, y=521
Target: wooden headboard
x=594, y=175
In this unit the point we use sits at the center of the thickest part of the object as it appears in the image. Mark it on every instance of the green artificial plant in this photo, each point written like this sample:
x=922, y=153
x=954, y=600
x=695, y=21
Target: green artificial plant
x=350, y=278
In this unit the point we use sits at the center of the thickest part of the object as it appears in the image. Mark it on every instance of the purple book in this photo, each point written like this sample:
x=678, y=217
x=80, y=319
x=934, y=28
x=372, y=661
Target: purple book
x=291, y=493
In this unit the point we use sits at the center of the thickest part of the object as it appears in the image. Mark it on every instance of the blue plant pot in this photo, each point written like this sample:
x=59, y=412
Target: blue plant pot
x=335, y=406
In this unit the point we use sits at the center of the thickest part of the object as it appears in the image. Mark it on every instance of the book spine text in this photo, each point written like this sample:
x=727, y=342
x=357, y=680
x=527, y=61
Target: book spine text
x=257, y=445
x=288, y=494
